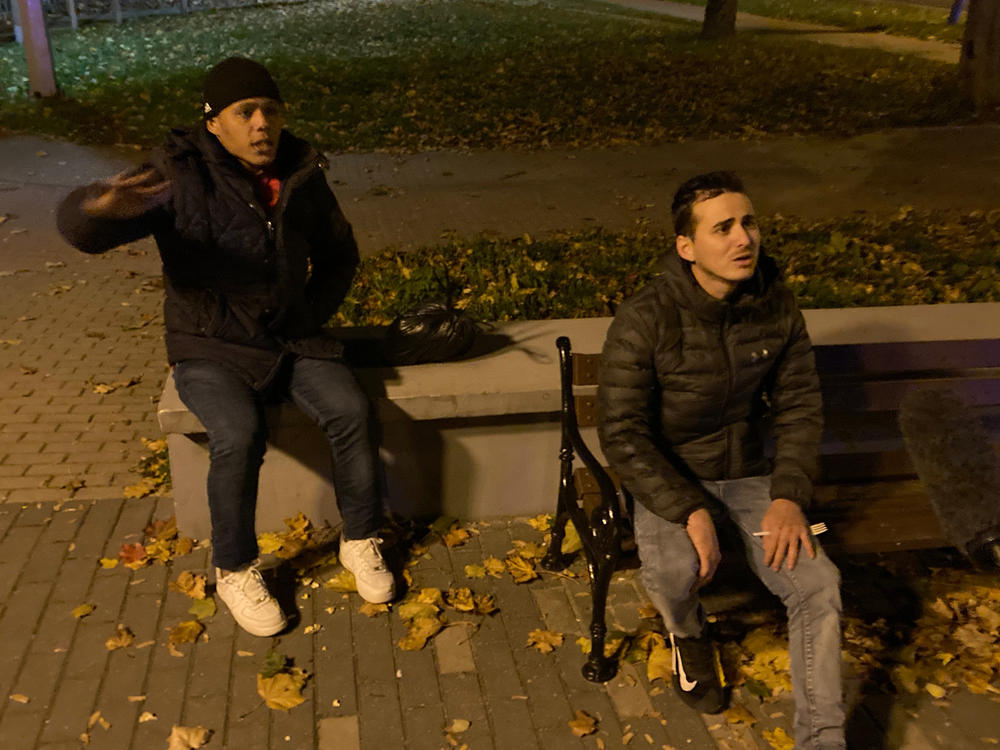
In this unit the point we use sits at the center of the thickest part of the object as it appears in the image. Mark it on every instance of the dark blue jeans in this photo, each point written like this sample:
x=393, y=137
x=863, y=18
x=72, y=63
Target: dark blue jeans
x=233, y=416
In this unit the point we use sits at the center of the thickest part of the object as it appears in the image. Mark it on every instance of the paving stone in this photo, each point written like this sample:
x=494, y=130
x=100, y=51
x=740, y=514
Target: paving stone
x=71, y=708
x=36, y=677
x=378, y=699
x=424, y=727
x=463, y=699
x=20, y=727
x=453, y=648
x=333, y=656
x=339, y=733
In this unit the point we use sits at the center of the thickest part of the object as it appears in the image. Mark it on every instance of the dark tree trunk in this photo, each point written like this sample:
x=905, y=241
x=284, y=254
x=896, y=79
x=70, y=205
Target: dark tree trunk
x=720, y=19
x=979, y=66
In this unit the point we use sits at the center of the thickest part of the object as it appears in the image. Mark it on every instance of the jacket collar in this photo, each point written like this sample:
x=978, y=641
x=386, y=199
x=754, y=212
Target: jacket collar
x=751, y=294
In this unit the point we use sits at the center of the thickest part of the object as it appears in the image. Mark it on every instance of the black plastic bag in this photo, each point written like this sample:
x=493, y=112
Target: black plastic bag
x=433, y=332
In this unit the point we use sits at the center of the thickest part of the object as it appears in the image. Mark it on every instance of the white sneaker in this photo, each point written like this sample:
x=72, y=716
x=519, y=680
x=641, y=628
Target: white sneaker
x=364, y=559
x=249, y=601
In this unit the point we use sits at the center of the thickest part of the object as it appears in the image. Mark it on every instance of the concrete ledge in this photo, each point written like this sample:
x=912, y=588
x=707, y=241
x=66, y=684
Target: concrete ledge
x=480, y=437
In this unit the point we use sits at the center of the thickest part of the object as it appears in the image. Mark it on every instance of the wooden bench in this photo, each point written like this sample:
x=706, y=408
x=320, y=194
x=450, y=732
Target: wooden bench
x=868, y=495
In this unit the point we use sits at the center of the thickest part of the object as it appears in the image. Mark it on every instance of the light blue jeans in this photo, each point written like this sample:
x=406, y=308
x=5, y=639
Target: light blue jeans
x=810, y=593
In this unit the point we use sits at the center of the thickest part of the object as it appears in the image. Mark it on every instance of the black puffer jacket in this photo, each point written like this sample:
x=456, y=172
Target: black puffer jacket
x=243, y=287
x=690, y=384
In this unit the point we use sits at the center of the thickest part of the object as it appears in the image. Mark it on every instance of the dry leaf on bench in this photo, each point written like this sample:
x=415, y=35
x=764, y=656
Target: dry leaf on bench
x=545, y=641
x=187, y=738
x=583, y=724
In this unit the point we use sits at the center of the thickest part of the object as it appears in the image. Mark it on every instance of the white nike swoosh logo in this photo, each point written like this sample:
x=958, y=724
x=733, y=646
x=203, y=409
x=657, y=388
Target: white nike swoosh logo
x=686, y=685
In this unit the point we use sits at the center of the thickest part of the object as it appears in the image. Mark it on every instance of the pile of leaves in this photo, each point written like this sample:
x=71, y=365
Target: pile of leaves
x=162, y=543
x=912, y=257
x=153, y=469
x=416, y=75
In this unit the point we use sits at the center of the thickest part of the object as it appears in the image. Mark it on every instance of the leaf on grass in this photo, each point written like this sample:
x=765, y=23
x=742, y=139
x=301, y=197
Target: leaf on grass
x=189, y=584
x=133, y=555
x=475, y=571
x=187, y=738
x=455, y=536
x=342, y=581
x=202, y=608
x=108, y=562
x=373, y=610
x=779, y=739
x=541, y=522
x=571, y=541
x=122, y=638
x=82, y=610
x=282, y=691
x=520, y=569
x=421, y=629
x=583, y=724
x=545, y=641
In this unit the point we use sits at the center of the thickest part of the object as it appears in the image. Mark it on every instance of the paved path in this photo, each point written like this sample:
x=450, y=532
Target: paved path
x=943, y=52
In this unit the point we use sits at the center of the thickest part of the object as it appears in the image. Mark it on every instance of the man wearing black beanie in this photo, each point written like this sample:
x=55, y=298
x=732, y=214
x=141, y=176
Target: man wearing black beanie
x=256, y=258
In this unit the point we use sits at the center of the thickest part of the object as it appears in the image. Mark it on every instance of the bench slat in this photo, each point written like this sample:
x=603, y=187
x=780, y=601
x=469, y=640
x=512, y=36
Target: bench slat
x=908, y=356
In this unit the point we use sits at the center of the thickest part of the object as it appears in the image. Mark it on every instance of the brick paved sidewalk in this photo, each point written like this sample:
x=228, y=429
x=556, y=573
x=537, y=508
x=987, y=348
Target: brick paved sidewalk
x=364, y=691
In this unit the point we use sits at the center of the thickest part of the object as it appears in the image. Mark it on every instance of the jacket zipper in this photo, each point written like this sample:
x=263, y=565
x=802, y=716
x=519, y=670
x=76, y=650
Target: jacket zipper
x=729, y=390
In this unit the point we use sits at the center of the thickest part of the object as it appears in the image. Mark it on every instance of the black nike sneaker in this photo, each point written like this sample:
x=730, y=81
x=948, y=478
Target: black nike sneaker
x=696, y=674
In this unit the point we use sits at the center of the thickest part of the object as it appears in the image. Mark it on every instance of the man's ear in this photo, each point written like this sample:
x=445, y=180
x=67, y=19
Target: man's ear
x=685, y=247
x=212, y=125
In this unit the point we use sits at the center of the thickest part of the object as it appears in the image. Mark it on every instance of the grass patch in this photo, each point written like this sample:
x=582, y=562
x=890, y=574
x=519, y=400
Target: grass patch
x=412, y=75
x=902, y=19
x=915, y=257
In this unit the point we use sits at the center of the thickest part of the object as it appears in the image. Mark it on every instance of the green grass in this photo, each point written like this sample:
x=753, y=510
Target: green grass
x=421, y=74
x=903, y=19
x=915, y=257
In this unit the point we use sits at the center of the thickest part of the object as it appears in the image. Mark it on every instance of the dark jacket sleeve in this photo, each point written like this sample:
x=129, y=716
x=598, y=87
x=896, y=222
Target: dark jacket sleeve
x=797, y=418
x=334, y=259
x=628, y=415
x=97, y=235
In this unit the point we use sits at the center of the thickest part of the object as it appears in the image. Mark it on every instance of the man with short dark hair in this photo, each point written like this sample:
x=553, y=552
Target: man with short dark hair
x=697, y=367
x=256, y=258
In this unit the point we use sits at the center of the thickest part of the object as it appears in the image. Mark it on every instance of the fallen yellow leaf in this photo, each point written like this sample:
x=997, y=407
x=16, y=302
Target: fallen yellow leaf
x=583, y=724
x=545, y=641
x=122, y=638
x=189, y=584
x=420, y=630
x=187, y=738
x=373, y=610
x=18, y=698
x=342, y=581
x=82, y=610
x=282, y=691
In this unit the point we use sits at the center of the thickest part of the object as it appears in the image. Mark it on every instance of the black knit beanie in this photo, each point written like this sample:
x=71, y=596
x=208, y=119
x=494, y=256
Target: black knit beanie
x=233, y=79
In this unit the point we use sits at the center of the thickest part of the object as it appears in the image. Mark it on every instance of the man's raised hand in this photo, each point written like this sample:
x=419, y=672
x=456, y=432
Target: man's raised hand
x=784, y=526
x=128, y=195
